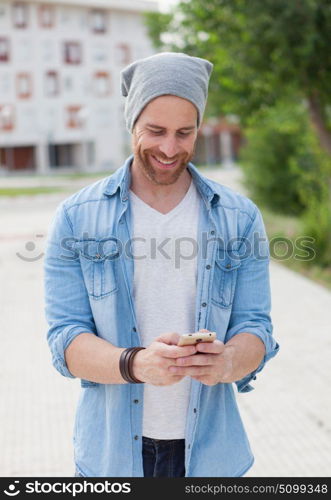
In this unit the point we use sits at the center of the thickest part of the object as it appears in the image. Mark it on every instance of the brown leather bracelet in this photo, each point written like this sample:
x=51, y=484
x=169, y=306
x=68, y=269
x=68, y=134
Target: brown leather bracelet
x=126, y=362
x=130, y=364
x=122, y=364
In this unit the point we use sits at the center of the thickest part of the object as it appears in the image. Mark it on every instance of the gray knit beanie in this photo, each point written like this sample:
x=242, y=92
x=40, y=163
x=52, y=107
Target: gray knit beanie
x=161, y=74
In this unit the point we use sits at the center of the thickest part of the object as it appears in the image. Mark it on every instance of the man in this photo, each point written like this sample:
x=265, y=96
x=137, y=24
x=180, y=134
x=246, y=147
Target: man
x=137, y=259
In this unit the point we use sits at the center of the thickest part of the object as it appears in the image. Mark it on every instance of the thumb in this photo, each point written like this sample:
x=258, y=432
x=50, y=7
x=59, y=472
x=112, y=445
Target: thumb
x=170, y=338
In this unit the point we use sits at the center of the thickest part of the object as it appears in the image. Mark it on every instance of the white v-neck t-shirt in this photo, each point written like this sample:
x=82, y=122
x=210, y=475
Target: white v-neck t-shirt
x=164, y=250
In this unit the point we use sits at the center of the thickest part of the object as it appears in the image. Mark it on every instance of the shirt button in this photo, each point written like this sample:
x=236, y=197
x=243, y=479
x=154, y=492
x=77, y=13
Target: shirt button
x=189, y=446
x=228, y=266
x=212, y=232
x=134, y=329
x=203, y=304
x=136, y=437
x=195, y=410
x=136, y=401
x=208, y=266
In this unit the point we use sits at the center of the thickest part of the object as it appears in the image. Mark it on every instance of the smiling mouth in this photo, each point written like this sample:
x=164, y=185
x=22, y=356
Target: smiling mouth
x=163, y=163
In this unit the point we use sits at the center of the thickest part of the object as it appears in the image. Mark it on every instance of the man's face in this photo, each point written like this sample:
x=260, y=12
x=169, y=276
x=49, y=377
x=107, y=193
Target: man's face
x=163, y=138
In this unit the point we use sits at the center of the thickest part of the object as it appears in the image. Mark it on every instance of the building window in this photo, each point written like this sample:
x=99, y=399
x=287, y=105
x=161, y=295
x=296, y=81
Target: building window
x=20, y=15
x=6, y=117
x=5, y=84
x=103, y=117
x=4, y=49
x=52, y=86
x=102, y=86
x=122, y=53
x=46, y=16
x=73, y=118
x=98, y=21
x=72, y=52
x=3, y=12
x=24, y=85
x=68, y=84
x=100, y=53
x=48, y=51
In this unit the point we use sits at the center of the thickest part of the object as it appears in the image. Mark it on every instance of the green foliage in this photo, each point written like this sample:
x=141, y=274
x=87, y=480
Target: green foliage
x=259, y=49
x=287, y=172
x=274, y=145
x=315, y=188
x=269, y=57
x=157, y=23
x=317, y=225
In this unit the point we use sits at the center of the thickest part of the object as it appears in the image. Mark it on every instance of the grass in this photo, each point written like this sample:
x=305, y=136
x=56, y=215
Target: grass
x=68, y=175
x=29, y=191
x=85, y=175
x=289, y=227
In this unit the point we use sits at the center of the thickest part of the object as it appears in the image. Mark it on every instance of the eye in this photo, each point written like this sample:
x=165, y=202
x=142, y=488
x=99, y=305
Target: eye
x=161, y=132
x=156, y=132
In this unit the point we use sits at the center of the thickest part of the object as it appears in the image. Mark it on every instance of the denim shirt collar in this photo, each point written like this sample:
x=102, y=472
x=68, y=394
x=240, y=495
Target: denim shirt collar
x=121, y=180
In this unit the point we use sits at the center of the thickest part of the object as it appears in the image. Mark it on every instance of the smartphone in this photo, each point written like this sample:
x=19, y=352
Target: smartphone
x=195, y=338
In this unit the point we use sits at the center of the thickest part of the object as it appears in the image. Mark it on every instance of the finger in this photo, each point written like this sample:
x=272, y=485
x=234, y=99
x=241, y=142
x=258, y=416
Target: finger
x=174, y=351
x=216, y=347
x=197, y=360
x=206, y=380
x=170, y=338
x=189, y=370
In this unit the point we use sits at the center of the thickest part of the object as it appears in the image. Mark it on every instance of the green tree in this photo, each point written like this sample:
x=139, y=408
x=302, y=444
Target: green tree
x=275, y=153
x=263, y=51
x=272, y=68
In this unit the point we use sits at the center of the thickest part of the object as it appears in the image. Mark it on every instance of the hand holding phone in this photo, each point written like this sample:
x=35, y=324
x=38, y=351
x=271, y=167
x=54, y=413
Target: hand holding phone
x=195, y=338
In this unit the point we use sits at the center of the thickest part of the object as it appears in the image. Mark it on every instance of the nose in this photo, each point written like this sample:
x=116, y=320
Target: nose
x=169, y=147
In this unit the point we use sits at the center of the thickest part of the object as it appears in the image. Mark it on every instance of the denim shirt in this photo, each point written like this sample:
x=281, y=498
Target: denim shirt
x=88, y=288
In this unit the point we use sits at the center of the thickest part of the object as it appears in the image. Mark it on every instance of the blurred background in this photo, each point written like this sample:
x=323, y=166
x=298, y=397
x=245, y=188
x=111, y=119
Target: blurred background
x=266, y=133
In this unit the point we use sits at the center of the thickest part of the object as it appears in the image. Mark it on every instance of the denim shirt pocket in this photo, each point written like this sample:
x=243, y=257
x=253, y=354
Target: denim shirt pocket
x=98, y=260
x=225, y=277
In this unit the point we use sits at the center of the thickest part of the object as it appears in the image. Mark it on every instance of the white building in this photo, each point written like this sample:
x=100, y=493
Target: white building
x=60, y=99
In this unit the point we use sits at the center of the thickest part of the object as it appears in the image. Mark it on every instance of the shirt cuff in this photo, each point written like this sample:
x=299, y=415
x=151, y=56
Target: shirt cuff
x=60, y=344
x=271, y=348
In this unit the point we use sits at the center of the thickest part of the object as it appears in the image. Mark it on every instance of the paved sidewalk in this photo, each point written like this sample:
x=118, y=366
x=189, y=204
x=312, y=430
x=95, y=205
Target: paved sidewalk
x=287, y=416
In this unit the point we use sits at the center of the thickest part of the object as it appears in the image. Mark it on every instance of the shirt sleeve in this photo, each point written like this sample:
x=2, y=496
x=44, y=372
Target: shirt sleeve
x=67, y=307
x=252, y=303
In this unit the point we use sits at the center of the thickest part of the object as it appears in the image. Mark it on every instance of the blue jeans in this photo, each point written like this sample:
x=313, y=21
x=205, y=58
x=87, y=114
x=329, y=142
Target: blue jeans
x=163, y=457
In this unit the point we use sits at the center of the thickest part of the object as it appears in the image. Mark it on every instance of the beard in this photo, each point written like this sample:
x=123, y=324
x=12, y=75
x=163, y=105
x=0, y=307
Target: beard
x=159, y=177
